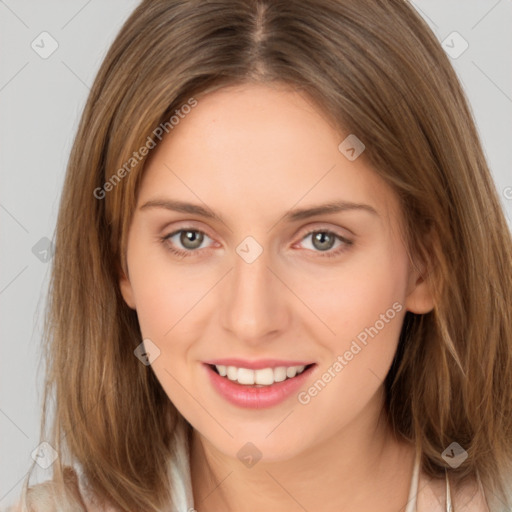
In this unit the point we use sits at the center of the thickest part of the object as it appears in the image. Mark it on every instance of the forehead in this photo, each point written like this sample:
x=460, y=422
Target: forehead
x=260, y=149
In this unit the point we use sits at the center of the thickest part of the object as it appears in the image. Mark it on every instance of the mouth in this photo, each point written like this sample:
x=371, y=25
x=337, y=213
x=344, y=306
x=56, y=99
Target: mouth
x=259, y=378
x=258, y=388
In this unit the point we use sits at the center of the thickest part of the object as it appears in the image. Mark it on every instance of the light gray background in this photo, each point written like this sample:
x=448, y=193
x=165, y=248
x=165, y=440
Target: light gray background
x=40, y=104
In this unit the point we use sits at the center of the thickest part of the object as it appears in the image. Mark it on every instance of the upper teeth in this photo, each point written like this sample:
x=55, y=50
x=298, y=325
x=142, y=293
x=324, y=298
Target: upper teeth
x=263, y=377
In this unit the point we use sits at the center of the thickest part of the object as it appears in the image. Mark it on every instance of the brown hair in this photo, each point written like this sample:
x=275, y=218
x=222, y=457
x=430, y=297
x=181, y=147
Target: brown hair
x=376, y=69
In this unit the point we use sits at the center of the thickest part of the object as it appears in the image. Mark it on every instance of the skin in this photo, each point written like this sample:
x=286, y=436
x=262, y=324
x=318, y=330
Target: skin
x=251, y=153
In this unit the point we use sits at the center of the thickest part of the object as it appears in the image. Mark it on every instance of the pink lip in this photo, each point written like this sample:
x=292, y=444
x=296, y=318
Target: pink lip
x=251, y=397
x=256, y=365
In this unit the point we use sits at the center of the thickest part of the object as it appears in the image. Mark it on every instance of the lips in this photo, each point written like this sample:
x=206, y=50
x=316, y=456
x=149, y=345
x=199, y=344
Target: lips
x=257, y=396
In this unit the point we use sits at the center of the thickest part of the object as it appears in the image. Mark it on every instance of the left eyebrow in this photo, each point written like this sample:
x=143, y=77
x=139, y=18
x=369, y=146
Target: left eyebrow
x=322, y=209
x=290, y=216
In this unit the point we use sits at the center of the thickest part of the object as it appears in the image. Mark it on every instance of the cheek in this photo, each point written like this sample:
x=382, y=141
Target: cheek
x=163, y=300
x=162, y=294
x=363, y=305
x=355, y=295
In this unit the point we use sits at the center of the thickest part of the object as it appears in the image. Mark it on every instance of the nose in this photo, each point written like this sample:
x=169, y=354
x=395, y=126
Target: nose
x=255, y=302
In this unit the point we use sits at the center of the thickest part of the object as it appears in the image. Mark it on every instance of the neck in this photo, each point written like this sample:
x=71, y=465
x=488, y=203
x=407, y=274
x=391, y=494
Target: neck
x=361, y=467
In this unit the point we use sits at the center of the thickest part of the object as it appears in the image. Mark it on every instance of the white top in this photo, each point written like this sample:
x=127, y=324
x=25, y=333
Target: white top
x=412, y=500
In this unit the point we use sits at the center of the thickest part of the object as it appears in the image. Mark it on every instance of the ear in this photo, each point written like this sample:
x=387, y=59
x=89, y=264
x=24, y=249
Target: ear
x=126, y=289
x=419, y=299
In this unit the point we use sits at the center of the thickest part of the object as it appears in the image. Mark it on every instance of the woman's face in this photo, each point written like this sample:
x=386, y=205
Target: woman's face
x=232, y=260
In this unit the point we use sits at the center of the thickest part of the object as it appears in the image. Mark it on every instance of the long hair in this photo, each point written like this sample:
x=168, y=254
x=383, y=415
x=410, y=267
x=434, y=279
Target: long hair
x=376, y=70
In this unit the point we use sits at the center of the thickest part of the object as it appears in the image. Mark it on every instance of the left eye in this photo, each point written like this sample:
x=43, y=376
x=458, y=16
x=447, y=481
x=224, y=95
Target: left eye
x=324, y=241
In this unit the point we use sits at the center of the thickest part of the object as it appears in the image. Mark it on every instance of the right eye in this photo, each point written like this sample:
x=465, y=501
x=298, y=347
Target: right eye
x=189, y=238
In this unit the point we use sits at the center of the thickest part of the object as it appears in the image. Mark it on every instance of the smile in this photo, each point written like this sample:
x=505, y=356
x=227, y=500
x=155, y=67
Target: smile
x=257, y=388
x=263, y=377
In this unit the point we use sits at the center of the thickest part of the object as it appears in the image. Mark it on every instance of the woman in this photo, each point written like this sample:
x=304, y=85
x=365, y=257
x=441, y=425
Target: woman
x=282, y=276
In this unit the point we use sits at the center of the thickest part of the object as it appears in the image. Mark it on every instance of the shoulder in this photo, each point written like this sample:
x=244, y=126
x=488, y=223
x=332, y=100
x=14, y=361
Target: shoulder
x=47, y=497
x=470, y=497
x=465, y=497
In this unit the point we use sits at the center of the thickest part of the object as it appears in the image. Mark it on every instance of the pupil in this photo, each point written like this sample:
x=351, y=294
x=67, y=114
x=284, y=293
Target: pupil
x=187, y=239
x=321, y=238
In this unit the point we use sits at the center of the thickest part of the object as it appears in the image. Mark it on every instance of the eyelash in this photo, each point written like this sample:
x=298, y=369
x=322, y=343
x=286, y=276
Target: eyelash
x=323, y=254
